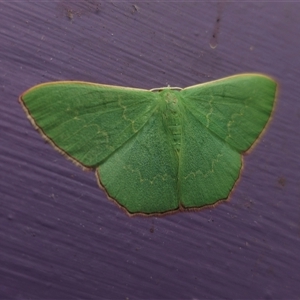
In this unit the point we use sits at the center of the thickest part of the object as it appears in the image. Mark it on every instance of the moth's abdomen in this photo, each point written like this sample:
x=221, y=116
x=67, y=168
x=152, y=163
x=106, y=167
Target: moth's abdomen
x=176, y=133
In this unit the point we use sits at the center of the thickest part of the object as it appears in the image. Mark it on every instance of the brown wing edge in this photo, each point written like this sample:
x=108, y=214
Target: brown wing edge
x=248, y=151
x=49, y=140
x=160, y=214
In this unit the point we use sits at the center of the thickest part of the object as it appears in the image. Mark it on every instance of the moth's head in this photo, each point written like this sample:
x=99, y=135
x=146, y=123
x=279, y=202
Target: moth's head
x=165, y=89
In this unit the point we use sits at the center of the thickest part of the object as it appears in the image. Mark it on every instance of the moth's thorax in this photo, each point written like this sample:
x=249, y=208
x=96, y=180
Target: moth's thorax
x=172, y=116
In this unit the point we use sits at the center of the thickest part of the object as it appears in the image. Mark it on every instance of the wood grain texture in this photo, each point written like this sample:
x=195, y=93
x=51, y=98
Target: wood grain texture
x=62, y=239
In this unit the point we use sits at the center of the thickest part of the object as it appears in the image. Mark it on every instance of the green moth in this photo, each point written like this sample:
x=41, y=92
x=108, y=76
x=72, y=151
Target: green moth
x=156, y=151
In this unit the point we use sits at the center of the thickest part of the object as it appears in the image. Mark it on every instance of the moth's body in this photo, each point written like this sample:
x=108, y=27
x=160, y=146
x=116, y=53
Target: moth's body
x=171, y=113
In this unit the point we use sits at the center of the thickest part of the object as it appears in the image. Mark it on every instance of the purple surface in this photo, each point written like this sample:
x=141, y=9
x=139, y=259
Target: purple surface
x=62, y=239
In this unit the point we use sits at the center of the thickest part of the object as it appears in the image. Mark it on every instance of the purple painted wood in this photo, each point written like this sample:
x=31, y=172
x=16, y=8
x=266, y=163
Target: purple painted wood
x=62, y=239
